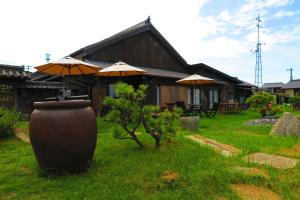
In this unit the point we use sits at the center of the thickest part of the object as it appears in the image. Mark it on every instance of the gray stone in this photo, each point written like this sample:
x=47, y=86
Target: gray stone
x=263, y=121
x=288, y=124
x=275, y=161
x=190, y=123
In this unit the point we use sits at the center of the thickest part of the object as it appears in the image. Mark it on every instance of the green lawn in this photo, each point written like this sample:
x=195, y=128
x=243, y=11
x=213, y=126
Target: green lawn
x=123, y=171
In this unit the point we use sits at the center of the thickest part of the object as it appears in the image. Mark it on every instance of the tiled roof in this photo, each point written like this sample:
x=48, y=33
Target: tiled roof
x=273, y=85
x=42, y=85
x=149, y=71
x=7, y=71
x=293, y=84
x=136, y=29
x=246, y=84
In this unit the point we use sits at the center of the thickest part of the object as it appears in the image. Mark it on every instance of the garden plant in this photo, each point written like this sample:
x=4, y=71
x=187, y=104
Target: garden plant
x=8, y=121
x=129, y=111
x=262, y=102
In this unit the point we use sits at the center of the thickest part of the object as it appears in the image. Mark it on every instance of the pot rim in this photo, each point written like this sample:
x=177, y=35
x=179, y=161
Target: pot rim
x=62, y=104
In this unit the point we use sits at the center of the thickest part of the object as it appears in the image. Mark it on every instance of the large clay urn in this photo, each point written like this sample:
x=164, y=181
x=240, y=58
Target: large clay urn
x=63, y=135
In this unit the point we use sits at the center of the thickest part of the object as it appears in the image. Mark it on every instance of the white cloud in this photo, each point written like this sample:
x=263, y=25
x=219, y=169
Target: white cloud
x=222, y=47
x=31, y=28
x=224, y=16
x=256, y=5
x=282, y=13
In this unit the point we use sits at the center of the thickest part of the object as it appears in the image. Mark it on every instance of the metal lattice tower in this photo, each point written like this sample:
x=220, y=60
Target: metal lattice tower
x=291, y=73
x=258, y=65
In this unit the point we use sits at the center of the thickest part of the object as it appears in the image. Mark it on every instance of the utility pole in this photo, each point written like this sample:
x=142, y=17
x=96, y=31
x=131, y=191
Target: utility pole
x=47, y=57
x=291, y=73
x=258, y=64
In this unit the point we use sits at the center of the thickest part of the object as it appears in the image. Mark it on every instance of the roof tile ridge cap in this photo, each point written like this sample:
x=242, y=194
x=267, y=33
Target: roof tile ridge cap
x=143, y=23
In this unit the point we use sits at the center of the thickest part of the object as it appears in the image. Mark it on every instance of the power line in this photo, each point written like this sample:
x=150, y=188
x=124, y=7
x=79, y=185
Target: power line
x=285, y=44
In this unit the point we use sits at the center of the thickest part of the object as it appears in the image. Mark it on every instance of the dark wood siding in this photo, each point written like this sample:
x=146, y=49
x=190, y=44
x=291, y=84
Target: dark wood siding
x=139, y=50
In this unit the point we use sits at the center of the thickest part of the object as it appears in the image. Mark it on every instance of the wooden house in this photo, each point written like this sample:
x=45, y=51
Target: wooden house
x=144, y=47
x=273, y=88
x=292, y=88
x=11, y=78
x=18, y=90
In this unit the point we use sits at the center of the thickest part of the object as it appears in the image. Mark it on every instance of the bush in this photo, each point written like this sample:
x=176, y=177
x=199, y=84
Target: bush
x=275, y=110
x=261, y=102
x=294, y=100
x=162, y=125
x=8, y=120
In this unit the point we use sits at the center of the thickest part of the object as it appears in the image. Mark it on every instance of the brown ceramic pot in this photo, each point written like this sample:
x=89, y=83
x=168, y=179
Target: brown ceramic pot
x=63, y=135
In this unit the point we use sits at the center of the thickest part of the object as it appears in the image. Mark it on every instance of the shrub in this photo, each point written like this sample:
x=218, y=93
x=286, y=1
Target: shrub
x=294, y=100
x=129, y=111
x=275, y=110
x=261, y=102
x=161, y=125
x=8, y=120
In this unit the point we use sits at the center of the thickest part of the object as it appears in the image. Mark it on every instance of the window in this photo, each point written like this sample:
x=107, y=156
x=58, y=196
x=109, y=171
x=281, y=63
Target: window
x=213, y=97
x=196, y=96
x=6, y=94
x=111, y=91
x=158, y=95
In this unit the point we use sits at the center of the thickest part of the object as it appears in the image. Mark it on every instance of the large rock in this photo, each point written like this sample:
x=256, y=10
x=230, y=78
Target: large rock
x=288, y=124
x=190, y=123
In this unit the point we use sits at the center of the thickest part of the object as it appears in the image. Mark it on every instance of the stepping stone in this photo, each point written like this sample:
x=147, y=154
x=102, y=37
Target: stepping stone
x=278, y=162
x=290, y=152
x=252, y=171
x=22, y=136
x=224, y=149
x=251, y=192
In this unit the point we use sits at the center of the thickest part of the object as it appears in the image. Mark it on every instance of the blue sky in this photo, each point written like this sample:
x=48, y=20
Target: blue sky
x=280, y=36
x=220, y=33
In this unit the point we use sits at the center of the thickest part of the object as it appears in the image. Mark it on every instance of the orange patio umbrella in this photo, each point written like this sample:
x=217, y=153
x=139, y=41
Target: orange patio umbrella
x=120, y=69
x=68, y=66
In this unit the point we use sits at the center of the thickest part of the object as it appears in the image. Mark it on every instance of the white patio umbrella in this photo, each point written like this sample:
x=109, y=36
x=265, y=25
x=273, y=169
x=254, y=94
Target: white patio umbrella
x=196, y=80
x=120, y=69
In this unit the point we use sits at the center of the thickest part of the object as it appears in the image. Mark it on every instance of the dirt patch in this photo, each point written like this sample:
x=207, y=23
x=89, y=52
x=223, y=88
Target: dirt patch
x=279, y=162
x=253, y=171
x=25, y=170
x=8, y=196
x=225, y=149
x=293, y=152
x=22, y=136
x=169, y=176
x=251, y=192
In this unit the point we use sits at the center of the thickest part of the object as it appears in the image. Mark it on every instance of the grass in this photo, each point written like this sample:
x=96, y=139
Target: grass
x=121, y=170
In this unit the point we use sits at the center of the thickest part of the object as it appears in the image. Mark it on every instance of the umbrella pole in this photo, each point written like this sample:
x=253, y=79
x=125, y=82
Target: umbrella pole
x=69, y=78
